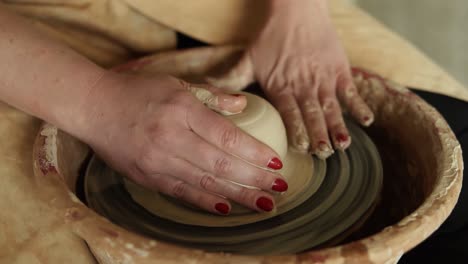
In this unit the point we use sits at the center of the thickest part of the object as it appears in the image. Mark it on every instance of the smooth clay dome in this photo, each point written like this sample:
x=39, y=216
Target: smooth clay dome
x=259, y=119
x=422, y=178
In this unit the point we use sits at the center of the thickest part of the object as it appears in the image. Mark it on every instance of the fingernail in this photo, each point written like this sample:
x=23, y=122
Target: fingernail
x=275, y=164
x=280, y=185
x=222, y=208
x=367, y=120
x=340, y=137
x=342, y=140
x=324, y=150
x=237, y=95
x=265, y=204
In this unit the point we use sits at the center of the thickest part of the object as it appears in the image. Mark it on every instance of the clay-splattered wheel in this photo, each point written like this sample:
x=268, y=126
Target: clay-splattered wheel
x=421, y=158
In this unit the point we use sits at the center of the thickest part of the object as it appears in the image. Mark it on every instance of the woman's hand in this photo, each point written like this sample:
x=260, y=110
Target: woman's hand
x=303, y=70
x=156, y=131
x=153, y=129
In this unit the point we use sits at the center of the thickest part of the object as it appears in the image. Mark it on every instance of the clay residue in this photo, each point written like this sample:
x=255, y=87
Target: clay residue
x=324, y=151
x=299, y=139
x=50, y=145
x=208, y=99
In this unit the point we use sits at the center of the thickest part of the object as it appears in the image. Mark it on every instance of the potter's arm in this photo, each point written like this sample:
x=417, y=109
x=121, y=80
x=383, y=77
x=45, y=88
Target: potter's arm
x=40, y=76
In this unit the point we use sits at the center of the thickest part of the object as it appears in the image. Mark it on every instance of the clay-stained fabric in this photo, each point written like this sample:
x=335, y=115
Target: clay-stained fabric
x=368, y=43
x=89, y=26
x=99, y=49
x=31, y=232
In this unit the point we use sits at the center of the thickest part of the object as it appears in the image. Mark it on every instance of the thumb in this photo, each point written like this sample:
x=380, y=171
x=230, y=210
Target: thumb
x=216, y=99
x=237, y=78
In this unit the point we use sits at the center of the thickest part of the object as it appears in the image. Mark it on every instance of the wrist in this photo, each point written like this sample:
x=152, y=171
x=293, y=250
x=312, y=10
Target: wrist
x=80, y=117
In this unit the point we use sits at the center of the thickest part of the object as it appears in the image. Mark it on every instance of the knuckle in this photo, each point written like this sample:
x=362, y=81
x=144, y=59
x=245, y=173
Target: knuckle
x=156, y=139
x=181, y=98
x=343, y=71
x=329, y=105
x=351, y=92
x=147, y=160
x=222, y=166
x=179, y=189
x=311, y=107
x=157, y=132
x=207, y=182
x=259, y=180
x=244, y=195
x=289, y=109
x=230, y=138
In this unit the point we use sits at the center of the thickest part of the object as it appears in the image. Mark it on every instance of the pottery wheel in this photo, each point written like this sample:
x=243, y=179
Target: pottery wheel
x=340, y=195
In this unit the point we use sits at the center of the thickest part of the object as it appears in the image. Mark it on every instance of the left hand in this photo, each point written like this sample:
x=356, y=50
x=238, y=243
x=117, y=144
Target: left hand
x=302, y=68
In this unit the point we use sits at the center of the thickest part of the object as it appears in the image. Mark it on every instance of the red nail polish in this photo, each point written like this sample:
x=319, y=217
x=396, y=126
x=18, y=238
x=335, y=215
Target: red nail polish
x=279, y=185
x=366, y=118
x=237, y=95
x=222, y=208
x=275, y=164
x=341, y=137
x=265, y=204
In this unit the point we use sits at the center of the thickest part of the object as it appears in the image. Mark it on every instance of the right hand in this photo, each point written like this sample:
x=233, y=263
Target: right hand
x=155, y=131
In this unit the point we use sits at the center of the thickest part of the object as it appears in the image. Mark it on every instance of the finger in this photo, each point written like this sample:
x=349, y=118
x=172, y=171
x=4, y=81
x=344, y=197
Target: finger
x=349, y=96
x=182, y=190
x=237, y=78
x=316, y=127
x=334, y=116
x=290, y=112
x=224, y=135
x=225, y=166
x=216, y=100
x=251, y=198
x=313, y=118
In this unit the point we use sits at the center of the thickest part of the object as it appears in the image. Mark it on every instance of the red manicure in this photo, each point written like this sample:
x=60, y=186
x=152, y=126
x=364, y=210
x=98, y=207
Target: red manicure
x=366, y=118
x=341, y=137
x=237, y=95
x=265, y=204
x=279, y=185
x=275, y=164
x=222, y=208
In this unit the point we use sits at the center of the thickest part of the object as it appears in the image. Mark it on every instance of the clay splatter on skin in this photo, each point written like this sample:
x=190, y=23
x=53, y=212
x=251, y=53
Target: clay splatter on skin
x=324, y=150
x=300, y=139
x=208, y=99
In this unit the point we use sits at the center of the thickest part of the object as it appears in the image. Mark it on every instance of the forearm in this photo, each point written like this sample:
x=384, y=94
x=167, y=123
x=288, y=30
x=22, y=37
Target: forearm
x=43, y=77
